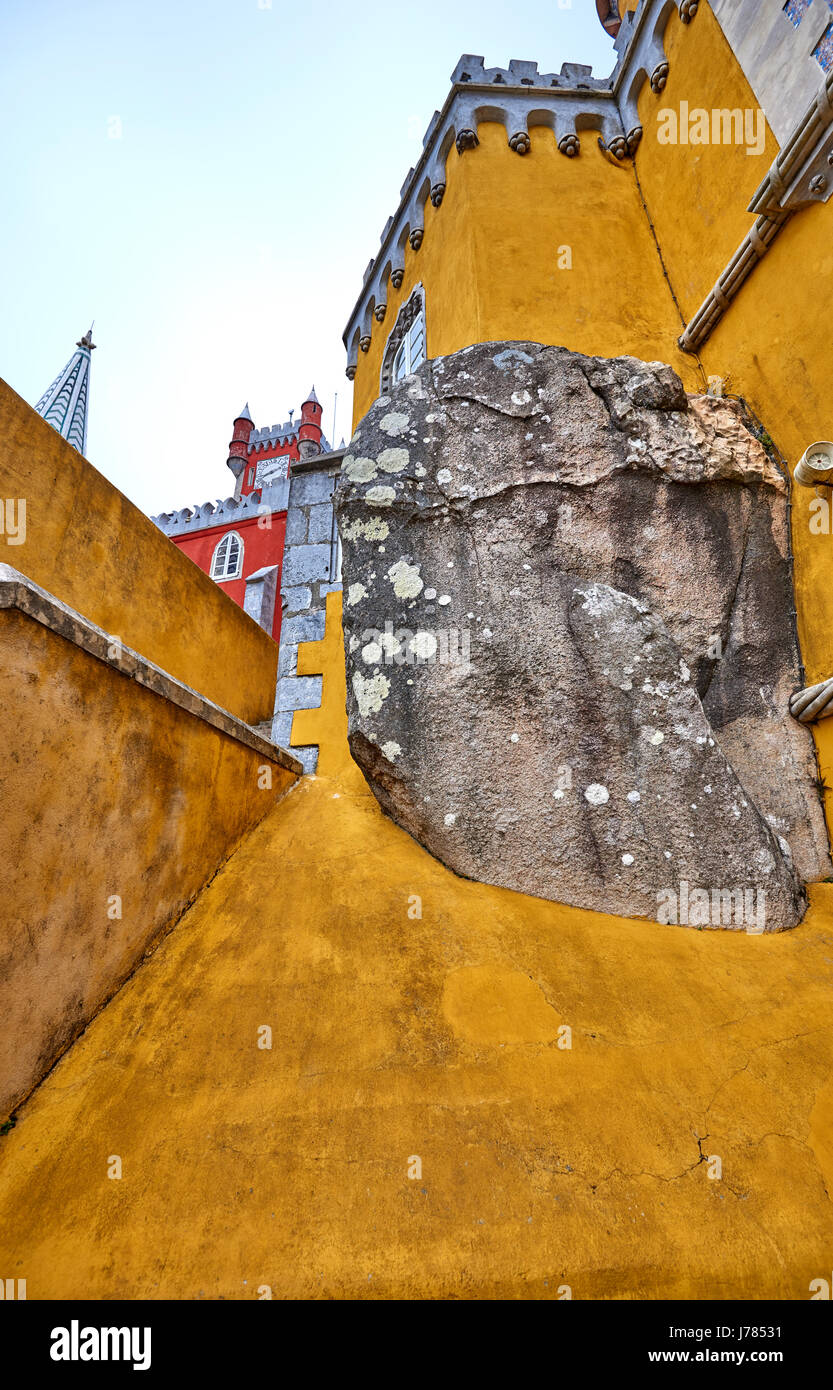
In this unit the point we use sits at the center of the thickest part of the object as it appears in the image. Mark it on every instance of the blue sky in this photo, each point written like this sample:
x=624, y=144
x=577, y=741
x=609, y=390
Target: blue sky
x=208, y=181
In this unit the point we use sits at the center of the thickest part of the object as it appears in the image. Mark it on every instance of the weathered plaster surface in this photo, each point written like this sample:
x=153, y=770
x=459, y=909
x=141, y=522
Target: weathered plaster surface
x=438, y=1035
x=121, y=792
x=90, y=547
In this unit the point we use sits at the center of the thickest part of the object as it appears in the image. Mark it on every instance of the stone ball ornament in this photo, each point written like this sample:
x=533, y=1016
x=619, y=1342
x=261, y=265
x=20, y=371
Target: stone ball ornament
x=520, y=142
x=659, y=77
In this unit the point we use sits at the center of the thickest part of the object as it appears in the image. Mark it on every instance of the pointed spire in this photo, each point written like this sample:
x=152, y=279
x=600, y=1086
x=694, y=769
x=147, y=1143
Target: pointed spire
x=64, y=404
x=312, y=399
x=244, y=414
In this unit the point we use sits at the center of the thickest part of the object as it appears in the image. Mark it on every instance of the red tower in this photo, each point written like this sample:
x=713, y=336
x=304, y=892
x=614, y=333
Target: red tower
x=309, y=435
x=239, y=542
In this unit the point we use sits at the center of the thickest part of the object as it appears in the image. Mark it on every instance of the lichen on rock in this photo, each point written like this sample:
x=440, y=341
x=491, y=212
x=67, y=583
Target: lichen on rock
x=583, y=625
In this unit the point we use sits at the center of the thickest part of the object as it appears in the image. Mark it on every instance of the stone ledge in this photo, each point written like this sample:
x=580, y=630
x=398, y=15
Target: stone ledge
x=19, y=592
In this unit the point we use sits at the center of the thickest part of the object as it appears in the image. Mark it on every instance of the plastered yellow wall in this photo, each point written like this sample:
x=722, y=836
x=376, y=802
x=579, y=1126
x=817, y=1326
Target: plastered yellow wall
x=96, y=552
x=489, y=261
x=105, y=789
x=435, y=1034
x=504, y=217
x=770, y=346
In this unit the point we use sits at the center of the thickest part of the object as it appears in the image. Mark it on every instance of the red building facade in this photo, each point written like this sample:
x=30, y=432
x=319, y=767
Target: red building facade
x=239, y=542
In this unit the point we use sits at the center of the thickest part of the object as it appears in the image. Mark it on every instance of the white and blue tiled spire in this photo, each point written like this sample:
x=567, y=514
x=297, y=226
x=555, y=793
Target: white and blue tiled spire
x=64, y=405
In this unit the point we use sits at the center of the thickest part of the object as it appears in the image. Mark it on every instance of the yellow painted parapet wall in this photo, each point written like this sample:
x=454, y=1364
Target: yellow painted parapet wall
x=90, y=547
x=117, y=806
x=466, y=1092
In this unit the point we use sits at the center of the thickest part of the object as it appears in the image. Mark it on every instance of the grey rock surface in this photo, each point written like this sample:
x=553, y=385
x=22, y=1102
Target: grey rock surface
x=570, y=639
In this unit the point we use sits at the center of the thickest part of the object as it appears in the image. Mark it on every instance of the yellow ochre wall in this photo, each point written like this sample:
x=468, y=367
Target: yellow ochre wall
x=96, y=552
x=771, y=345
x=106, y=788
x=489, y=260
x=489, y=265
x=697, y=195
x=434, y=1034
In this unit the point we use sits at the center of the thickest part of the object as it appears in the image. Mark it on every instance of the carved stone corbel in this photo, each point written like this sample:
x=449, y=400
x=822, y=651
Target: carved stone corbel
x=437, y=194
x=379, y=312
x=520, y=142
x=466, y=140
x=396, y=278
x=688, y=9
x=364, y=342
x=633, y=138
x=569, y=145
x=814, y=702
x=659, y=77
x=415, y=238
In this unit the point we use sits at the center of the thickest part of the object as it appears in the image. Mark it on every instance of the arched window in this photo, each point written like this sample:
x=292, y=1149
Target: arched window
x=227, y=560
x=405, y=349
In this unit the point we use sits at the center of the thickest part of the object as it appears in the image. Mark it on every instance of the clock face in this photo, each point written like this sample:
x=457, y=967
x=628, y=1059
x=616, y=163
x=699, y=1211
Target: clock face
x=820, y=461
x=271, y=469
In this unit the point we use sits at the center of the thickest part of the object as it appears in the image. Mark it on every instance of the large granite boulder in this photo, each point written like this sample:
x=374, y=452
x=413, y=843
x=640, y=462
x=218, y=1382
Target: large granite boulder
x=570, y=637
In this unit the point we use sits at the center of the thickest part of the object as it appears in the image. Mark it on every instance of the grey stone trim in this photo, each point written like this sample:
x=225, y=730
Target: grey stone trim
x=568, y=103
x=306, y=563
x=320, y=523
x=297, y=599
x=263, y=501
x=812, y=703
x=298, y=692
x=330, y=460
x=519, y=97
x=287, y=660
x=19, y=592
x=310, y=572
x=304, y=627
x=410, y=310
x=308, y=756
x=259, y=596
x=795, y=180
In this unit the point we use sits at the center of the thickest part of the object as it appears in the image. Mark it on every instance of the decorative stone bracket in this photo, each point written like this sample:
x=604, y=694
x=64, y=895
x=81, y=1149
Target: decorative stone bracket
x=812, y=703
x=519, y=98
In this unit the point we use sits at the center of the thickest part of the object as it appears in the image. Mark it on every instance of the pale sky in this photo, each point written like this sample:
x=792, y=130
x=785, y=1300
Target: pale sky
x=208, y=180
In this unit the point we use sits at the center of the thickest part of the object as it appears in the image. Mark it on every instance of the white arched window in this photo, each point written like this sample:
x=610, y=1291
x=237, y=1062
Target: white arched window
x=405, y=349
x=227, y=560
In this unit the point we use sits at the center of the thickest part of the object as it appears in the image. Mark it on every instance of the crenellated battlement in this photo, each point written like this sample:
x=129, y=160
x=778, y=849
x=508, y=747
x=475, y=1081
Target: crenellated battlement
x=272, y=434
x=273, y=498
x=570, y=103
x=525, y=74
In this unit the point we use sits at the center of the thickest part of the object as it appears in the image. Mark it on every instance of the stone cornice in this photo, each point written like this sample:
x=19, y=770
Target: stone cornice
x=518, y=97
x=19, y=592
